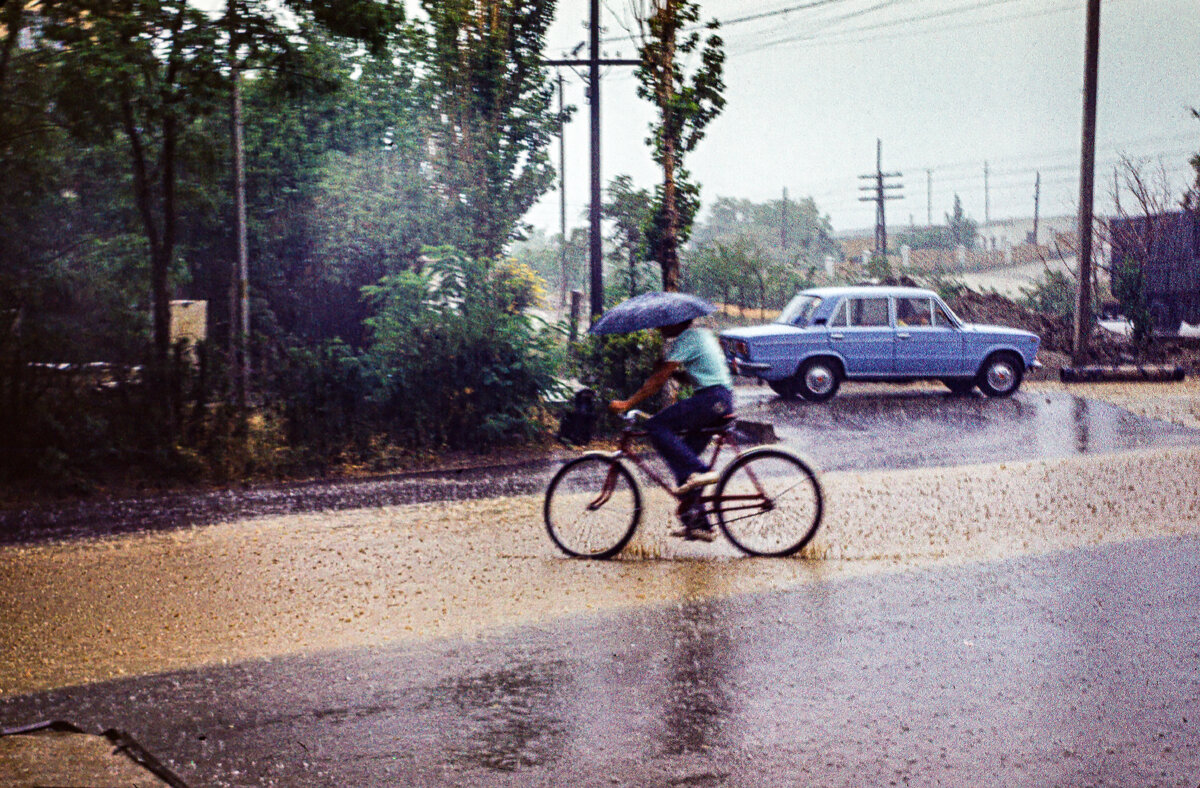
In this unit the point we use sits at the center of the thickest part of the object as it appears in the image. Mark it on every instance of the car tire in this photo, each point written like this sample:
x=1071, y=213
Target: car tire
x=785, y=388
x=959, y=386
x=818, y=379
x=1001, y=374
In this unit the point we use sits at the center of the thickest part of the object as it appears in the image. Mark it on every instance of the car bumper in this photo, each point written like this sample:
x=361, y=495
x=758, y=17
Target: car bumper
x=749, y=369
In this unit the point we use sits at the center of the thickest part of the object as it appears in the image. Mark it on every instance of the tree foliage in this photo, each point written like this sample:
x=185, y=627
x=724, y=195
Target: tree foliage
x=631, y=212
x=686, y=102
x=490, y=115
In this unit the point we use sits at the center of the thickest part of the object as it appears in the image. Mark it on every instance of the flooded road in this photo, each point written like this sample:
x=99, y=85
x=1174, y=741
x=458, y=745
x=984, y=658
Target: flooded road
x=863, y=428
x=1074, y=668
x=1027, y=620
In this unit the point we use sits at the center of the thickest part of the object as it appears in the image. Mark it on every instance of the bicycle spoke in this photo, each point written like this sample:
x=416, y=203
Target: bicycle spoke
x=592, y=507
x=782, y=513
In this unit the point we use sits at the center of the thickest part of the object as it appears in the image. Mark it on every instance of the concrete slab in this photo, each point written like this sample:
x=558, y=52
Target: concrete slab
x=65, y=758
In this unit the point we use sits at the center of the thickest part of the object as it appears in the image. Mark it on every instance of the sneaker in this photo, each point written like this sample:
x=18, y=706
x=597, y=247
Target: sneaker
x=696, y=481
x=695, y=534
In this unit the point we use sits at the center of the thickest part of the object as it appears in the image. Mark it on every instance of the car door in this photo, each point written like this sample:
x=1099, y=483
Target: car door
x=861, y=332
x=928, y=344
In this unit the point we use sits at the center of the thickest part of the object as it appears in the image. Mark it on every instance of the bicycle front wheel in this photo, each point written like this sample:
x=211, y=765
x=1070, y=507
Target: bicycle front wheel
x=592, y=507
x=769, y=503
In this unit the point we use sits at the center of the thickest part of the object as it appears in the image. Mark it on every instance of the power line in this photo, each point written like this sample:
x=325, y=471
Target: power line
x=844, y=36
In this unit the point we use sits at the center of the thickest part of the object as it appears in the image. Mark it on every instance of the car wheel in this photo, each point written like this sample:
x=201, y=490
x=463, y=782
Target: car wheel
x=959, y=385
x=818, y=379
x=785, y=388
x=1001, y=374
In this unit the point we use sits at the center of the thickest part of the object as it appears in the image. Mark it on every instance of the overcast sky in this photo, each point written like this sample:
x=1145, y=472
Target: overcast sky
x=946, y=84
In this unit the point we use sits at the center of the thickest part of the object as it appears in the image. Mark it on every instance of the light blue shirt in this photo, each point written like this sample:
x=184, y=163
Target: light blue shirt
x=699, y=354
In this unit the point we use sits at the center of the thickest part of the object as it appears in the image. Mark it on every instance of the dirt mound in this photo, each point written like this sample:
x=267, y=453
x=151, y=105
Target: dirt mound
x=1105, y=347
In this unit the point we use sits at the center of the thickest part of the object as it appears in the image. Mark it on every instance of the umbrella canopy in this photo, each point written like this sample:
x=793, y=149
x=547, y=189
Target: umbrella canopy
x=651, y=310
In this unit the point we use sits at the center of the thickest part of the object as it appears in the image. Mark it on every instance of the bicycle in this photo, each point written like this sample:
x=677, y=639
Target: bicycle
x=767, y=501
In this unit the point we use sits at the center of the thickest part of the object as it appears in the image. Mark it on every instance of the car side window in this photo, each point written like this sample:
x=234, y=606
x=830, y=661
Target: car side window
x=913, y=312
x=940, y=318
x=867, y=312
x=838, y=318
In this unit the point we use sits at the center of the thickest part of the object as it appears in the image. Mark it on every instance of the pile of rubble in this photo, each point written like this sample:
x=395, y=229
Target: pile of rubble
x=1057, y=333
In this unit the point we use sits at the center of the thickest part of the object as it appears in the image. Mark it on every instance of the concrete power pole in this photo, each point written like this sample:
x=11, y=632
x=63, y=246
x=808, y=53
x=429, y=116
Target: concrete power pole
x=562, y=203
x=929, y=198
x=1037, y=198
x=987, y=196
x=1087, y=174
x=783, y=222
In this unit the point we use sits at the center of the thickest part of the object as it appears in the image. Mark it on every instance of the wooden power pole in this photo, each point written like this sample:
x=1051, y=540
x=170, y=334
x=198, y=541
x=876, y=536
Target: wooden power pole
x=1087, y=175
x=593, y=63
x=881, y=189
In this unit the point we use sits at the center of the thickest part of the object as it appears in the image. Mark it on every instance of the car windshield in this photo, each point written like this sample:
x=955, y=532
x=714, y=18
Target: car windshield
x=799, y=310
x=953, y=317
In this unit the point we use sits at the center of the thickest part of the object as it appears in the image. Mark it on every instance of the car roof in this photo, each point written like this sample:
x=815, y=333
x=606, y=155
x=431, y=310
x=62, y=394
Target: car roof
x=867, y=290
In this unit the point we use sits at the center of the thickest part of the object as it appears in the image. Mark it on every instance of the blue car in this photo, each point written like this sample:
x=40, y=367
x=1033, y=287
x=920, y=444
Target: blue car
x=871, y=333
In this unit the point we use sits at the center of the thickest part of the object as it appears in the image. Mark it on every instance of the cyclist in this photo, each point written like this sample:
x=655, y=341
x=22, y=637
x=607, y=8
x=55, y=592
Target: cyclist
x=695, y=352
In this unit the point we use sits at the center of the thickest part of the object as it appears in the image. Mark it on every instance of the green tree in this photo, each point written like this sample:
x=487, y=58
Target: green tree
x=146, y=70
x=1192, y=200
x=493, y=361
x=792, y=231
x=686, y=103
x=631, y=211
x=491, y=117
x=963, y=230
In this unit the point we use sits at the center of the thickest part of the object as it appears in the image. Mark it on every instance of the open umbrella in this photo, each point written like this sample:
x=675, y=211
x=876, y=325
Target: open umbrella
x=651, y=310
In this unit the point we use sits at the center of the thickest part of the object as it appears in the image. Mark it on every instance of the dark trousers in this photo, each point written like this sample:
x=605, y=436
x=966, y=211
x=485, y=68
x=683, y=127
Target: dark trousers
x=708, y=407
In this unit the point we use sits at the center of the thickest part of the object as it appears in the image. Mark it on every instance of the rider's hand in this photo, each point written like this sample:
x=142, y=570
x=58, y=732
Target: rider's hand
x=619, y=406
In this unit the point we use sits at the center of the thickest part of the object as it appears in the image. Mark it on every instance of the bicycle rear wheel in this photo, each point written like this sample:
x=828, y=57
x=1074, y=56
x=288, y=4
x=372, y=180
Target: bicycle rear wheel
x=592, y=507
x=769, y=502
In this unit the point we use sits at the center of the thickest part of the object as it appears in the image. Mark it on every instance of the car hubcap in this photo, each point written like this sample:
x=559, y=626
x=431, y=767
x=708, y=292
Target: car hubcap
x=819, y=380
x=1000, y=377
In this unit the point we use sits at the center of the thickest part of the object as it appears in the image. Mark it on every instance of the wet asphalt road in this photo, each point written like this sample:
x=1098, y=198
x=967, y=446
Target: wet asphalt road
x=1075, y=668
x=857, y=430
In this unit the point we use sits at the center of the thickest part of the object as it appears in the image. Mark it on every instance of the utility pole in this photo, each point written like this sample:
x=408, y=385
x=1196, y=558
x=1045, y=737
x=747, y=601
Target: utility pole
x=929, y=198
x=783, y=222
x=1037, y=198
x=1087, y=174
x=987, y=196
x=562, y=202
x=239, y=312
x=882, y=195
x=593, y=63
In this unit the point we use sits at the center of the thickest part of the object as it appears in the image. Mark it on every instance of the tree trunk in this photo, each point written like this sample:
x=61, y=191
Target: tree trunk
x=669, y=256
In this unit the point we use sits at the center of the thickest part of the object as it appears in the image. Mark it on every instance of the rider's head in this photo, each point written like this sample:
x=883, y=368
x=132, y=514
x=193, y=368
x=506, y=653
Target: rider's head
x=672, y=331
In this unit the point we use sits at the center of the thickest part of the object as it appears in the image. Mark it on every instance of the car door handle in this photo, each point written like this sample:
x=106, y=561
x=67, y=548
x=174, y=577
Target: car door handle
x=837, y=336
x=903, y=335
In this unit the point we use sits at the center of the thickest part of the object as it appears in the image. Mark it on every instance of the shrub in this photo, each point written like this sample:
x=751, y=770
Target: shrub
x=461, y=365
x=1053, y=294
x=1129, y=288
x=616, y=365
x=325, y=394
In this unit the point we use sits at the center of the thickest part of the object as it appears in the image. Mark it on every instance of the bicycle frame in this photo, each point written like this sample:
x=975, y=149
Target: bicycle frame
x=723, y=436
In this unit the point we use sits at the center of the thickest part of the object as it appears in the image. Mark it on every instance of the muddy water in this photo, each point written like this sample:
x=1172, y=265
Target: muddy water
x=88, y=611
x=865, y=427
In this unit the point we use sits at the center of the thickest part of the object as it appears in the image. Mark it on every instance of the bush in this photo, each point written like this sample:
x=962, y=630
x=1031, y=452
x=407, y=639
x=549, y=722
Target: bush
x=1129, y=288
x=461, y=365
x=616, y=365
x=1052, y=295
x=325, y=394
